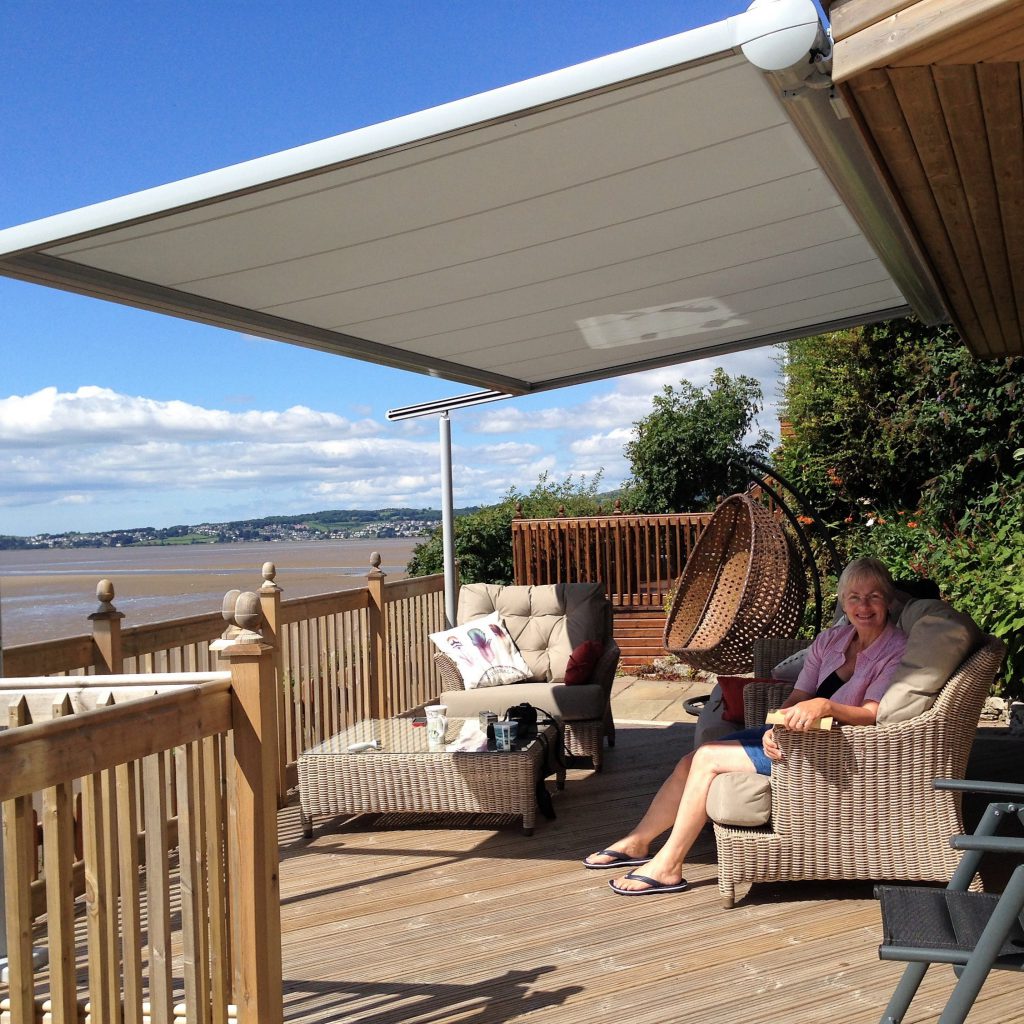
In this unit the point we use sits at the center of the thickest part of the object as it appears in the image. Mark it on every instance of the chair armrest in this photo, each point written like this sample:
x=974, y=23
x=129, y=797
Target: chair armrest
x=1010, y=790
x=832, y=782
x=759, y=699
x=770, y=650
x=449, y=673
x=988, y=844
x=604, y=670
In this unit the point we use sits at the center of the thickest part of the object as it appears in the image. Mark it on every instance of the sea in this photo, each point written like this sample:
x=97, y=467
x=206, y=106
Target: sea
x=49, y=593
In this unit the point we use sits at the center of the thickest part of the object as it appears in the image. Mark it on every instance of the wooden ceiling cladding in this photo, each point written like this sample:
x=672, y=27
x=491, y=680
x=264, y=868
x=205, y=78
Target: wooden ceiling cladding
x=936, y=88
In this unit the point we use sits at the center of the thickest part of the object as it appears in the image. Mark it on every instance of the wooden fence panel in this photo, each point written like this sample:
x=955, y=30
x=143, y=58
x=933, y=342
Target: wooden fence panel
x=637, y=558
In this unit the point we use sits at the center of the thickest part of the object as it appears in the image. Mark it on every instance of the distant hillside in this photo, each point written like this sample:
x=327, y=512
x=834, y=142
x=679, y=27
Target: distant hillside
x=330, y=524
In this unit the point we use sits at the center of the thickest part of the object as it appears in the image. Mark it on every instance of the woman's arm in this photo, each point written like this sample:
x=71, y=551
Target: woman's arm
x=805, y=715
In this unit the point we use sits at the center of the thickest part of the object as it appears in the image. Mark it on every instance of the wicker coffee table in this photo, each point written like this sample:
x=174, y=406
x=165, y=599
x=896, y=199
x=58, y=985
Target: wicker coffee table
x=406, y=775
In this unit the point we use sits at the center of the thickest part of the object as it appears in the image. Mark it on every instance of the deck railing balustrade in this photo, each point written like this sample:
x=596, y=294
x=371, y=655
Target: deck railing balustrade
x=169, y=909
x=338, y=657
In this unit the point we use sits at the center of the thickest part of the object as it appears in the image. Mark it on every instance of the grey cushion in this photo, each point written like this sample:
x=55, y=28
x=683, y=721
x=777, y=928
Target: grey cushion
x=939, y=638
x=710, y=723
x=740, y=798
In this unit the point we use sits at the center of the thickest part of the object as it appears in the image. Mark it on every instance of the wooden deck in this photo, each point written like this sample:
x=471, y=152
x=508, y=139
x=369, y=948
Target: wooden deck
x=427, y=920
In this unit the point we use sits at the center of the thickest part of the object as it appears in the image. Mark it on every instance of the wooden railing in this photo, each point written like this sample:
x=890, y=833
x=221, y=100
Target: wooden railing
x=338, y=657
x=638, y=558
x=180, y=783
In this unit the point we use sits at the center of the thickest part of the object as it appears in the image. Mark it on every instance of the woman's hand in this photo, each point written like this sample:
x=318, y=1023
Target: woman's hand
x=804, y=716
x=768, y=744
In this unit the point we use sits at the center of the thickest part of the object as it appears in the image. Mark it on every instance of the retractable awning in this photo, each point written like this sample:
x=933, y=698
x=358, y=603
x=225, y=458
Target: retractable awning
x=689, y=197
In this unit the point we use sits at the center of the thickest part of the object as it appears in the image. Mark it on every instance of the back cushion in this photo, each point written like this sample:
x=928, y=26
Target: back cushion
x=939, y=638
x=546, y=622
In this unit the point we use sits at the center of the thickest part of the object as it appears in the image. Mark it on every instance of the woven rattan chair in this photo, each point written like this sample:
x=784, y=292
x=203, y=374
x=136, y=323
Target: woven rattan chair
x=858, y=803
x=743, y=580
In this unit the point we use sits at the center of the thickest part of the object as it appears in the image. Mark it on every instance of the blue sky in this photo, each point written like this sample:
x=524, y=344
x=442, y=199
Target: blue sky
x=112, y=417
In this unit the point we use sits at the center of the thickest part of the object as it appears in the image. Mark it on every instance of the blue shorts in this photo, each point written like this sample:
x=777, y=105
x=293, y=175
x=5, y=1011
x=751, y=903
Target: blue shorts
x=750, y=740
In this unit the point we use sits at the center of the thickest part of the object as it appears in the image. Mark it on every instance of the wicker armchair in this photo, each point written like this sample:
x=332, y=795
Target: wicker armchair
x=858, y=803
x=546, y=622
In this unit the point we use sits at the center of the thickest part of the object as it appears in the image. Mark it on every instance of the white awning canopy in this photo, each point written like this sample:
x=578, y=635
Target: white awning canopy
x=669, y=202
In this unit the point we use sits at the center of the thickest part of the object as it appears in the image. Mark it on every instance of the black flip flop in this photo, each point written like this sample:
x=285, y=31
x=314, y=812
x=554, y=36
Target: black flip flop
x=654, y=886
x=620, y=860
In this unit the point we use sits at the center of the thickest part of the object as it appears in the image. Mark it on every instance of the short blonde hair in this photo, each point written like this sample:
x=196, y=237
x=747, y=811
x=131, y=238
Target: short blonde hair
x=867, y=568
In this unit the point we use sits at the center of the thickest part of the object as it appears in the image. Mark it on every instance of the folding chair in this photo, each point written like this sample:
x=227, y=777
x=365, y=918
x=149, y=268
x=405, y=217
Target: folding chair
x=973, y=931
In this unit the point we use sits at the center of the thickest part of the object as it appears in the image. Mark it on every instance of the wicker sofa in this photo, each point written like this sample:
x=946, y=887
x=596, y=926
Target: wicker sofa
x=547, y=624
x=854, y=803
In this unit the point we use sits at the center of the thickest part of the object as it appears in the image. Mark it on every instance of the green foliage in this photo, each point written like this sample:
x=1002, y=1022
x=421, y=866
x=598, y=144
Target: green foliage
x=898, y=414
x=689, y=449
x=483, y=539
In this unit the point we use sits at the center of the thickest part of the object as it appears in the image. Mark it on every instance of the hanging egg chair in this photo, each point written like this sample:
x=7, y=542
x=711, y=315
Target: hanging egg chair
x=743, y=580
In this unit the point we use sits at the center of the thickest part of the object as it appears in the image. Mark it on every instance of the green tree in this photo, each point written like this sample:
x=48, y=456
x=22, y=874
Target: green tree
x=690, y=448
x=483, y=539
x=897, y=414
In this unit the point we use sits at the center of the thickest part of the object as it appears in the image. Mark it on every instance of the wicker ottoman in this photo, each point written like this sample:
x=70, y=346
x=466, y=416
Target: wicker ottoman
x=406, y=775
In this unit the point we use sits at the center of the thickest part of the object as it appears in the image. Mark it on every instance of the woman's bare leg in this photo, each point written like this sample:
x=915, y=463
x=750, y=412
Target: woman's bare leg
x=659, y=817
x=708, y=761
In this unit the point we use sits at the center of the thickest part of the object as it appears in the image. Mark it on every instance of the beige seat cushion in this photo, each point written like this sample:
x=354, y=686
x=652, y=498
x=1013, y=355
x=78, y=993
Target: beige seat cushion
x=939, y=638
x=740, y=798
x=546, y=622
x=583, y=702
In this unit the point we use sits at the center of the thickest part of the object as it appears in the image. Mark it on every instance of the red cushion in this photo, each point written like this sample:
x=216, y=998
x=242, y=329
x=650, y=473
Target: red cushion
x=732, y=688
x=582, y=661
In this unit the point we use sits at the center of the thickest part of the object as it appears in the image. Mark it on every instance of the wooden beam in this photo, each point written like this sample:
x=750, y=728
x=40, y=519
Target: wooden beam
x=872, y=100
x=918, y=98
x=915, y=28
x=1001, y=99
x=848, y=17
x=957, y=88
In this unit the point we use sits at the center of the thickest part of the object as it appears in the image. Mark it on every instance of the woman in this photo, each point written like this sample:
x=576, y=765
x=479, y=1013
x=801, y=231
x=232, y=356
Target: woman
x=847, y=670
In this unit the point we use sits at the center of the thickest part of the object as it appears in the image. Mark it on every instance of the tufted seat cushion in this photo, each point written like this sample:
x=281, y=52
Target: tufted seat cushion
x=547, y=622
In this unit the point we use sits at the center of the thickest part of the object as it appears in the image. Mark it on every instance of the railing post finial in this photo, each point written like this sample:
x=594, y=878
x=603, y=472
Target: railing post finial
x=106, y=631
x=519, y=510
x=617, y=510
x=269, y=578
x=105, y=596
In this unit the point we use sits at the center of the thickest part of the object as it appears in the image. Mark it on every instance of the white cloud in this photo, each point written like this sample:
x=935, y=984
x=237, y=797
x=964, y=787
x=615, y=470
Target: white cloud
x=96, y=459
x=94, y=414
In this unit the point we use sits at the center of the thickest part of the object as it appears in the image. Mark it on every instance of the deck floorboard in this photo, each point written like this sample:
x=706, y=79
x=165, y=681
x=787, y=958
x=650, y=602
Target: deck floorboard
x=464, y=919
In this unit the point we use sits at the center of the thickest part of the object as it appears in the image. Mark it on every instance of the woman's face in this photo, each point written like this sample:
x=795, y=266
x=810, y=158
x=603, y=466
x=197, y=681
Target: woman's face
x=866, y=605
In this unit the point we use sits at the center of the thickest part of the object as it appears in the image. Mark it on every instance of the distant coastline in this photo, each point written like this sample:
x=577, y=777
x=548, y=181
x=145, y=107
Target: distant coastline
x=49, y=593
x=326, y=525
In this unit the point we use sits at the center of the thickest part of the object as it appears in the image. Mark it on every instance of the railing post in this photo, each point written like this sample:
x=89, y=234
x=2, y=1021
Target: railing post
x=106, y=631
x=270, y=605
x=377, y=646
x=256, y=889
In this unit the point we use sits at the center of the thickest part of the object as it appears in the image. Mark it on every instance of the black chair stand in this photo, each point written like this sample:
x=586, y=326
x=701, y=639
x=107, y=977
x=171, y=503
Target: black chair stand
x=974, y=932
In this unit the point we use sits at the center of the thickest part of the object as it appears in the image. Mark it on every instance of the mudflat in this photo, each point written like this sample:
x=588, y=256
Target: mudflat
x=46, y=594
